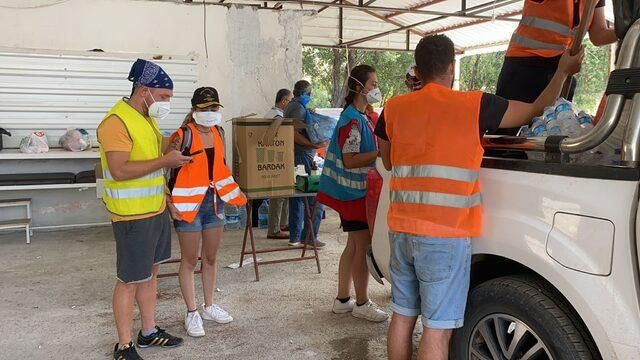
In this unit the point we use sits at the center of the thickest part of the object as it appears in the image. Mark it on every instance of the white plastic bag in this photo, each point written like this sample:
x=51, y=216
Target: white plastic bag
x=36, y=142
x=75, y=140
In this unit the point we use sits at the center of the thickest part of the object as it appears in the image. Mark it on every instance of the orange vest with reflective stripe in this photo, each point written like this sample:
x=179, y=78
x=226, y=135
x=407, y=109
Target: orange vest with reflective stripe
x=545, y=29
x=192, y=182
x=436, y=155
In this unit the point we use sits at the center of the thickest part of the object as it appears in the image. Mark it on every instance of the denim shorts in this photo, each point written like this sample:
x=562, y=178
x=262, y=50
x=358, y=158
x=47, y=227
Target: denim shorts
x=430, y=277
x=206, y=217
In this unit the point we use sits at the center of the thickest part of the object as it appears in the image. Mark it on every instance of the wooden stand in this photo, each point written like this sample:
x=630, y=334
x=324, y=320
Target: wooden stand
x=248, y=233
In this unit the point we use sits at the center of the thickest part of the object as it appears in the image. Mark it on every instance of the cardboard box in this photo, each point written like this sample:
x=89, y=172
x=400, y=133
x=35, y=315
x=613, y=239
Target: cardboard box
x=263, y=163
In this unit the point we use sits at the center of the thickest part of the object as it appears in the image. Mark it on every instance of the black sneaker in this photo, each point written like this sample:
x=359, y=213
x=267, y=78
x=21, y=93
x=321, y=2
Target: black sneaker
x=128, y=352
x=159, y=338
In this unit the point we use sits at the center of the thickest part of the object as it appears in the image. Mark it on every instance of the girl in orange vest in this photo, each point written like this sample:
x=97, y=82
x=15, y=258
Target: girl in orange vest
x=198, y=193
x=536, y=46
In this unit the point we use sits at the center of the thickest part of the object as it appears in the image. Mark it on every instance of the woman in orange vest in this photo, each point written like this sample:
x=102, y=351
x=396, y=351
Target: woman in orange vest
x=199, y=191
x=545, y=31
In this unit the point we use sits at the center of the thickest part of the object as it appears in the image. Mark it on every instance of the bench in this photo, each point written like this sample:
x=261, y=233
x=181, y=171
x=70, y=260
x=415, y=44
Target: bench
x=18, y=223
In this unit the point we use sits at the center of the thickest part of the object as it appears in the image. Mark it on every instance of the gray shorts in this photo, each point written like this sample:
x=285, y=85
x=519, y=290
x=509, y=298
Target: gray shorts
x=140, y=244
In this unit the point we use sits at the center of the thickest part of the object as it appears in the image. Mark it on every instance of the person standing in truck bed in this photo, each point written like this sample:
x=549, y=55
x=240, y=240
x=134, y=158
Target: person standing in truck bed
x=544, y=33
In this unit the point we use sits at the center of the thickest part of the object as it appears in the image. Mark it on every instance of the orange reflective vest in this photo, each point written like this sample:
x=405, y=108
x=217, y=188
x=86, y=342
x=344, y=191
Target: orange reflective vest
x=545, y=28
x=192, y=181
x=436, y=155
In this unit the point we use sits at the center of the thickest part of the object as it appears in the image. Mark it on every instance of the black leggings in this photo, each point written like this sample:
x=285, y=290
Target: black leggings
x=524, y=82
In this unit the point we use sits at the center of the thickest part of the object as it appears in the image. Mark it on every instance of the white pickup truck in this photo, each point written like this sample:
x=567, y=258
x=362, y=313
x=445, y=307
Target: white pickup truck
x=556, y=273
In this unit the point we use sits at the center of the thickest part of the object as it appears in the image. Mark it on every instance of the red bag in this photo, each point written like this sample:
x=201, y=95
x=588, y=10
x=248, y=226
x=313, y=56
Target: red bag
x=374, y=188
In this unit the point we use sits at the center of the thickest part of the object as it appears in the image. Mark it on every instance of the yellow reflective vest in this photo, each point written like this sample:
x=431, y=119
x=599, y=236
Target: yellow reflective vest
x=143, y=195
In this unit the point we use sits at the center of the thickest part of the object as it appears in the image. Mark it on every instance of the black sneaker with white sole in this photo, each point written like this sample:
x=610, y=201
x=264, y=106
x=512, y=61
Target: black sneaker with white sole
x=128, y=352
x=159, y=338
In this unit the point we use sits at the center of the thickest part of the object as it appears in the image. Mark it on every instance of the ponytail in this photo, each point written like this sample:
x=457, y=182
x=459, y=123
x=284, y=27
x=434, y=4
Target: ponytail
x=189, y=118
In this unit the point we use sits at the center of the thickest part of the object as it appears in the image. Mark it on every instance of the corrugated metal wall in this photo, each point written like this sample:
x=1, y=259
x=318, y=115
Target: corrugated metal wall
x=56, y=92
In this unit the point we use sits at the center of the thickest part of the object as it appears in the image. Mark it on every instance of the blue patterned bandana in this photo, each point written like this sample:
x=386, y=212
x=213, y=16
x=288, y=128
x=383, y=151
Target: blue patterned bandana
x=148, y=74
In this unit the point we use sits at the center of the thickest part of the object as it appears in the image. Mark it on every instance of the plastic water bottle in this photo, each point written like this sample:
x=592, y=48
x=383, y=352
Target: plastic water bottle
x=243, y=217
x=551, y=122
x=567, y=119
x=539, y=127
x=586, y=122
x=232, y=216
x=525, y=131
x=263, y=215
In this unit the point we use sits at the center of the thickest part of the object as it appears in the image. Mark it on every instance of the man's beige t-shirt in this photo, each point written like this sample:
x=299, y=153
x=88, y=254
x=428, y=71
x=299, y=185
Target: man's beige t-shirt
x=114, y=136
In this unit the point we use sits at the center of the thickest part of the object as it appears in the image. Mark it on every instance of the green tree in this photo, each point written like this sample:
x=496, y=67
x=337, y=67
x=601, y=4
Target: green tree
x=482, y=71
x=327, y=71
x=592, y=79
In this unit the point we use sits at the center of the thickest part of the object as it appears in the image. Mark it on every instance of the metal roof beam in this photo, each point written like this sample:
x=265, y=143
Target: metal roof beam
x=476, y=22
x=419, y=6
x=458, y=51
x=340, y=24
x=456, y=14
x=474, y=10
x=380, y=17
x=326, y=7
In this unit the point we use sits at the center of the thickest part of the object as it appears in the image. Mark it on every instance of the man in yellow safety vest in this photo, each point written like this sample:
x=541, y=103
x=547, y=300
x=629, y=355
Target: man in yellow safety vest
x=134, y=193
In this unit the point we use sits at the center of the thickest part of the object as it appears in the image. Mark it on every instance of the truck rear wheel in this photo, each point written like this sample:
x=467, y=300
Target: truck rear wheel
x=513, y=318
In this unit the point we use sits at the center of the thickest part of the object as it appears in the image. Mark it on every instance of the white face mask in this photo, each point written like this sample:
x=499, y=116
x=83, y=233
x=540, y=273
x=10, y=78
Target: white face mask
x=207, y=118
x=159, y=109
x=374, y=96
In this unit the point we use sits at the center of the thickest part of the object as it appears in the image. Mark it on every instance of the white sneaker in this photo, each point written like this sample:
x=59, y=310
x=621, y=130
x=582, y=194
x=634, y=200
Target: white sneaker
x=193, y=324
x=342, y=308
x=216, y=313
x=370, y=311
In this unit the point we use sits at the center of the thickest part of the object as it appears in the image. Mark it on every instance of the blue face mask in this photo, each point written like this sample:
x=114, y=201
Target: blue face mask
x=305, y=100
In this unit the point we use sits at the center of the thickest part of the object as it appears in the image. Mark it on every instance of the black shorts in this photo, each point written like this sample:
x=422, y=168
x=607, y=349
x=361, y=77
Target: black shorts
x=351, y=226
x=140, y=244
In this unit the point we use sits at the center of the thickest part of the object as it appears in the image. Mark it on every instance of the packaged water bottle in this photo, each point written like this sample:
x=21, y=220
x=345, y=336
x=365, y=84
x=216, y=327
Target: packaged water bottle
x=232, y=216
x=538, y=127
x=263, y=215
x=551, y=123
x=586, y=122
x=549, y=113
x=525, y=131
x=243, y=217
x=567, y=118
x=231, y=213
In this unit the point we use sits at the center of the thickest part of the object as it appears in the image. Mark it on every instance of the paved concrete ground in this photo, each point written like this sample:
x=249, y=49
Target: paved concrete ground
x=55, y=303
